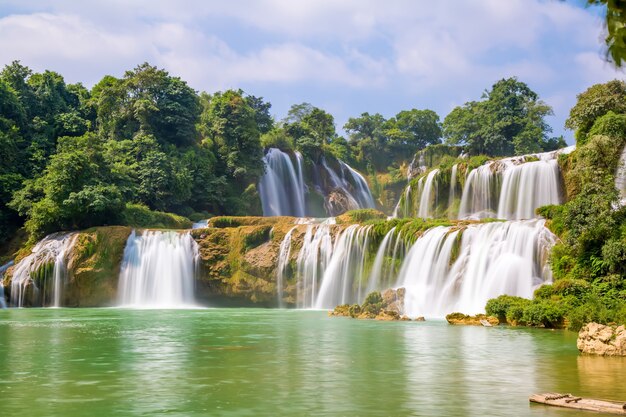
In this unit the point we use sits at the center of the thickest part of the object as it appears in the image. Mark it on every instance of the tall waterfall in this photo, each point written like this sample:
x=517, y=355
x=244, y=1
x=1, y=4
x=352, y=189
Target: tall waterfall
x=44, y=270
x=284, y=193
x=446, y=269
x=282, y=187
x=3, y=269
x=158, y=270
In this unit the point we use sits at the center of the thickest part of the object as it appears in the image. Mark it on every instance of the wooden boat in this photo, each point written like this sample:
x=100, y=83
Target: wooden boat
x=579, y=403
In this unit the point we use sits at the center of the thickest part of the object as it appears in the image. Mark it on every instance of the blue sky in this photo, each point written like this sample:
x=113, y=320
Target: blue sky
x=347, y=57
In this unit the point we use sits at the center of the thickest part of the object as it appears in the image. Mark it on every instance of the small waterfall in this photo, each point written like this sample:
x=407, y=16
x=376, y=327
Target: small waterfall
x=3, y=269
x=477, y=200
x=282, y=187
x=202, y=224
x=363, y=194
x=429, y=195
x=345, y=269
x=620, y=177
x=45, y=270
x=443, y=274
x=386, y=264
x=283, y=260
x=158, y=270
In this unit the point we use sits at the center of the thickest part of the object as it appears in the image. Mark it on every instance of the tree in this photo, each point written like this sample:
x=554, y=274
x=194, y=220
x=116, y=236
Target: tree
x=231, y=124
x=412, y=130
x=150, y=101
x=509, y=120
x=367, y=133
x=593, y=103
x=615, y=24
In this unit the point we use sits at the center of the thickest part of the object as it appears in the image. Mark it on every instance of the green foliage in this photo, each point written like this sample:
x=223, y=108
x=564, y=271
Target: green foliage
x=360, y=216
x=510, y=120
x=137, y=215
x=373, y=303
x=543, y=313
x=499, y=307
x=594, y=103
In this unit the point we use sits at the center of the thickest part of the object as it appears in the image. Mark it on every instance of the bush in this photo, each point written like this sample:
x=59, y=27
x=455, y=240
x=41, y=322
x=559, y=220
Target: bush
x=571, y=287
x=138, y=215
x=500, y=306
x=543, y=313
x=373, y=303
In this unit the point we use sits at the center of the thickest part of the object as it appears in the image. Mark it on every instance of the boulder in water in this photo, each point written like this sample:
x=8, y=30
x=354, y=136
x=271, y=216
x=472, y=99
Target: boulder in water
x=599, y=339
x=463, y=319
x=388, y=306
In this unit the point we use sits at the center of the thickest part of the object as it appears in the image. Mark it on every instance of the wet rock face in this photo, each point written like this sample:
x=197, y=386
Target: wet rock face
x=393, y=300
x=598, y=339
x=338, y=201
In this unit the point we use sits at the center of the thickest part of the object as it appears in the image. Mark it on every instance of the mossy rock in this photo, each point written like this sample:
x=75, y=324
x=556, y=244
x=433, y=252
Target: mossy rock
x=463, y=319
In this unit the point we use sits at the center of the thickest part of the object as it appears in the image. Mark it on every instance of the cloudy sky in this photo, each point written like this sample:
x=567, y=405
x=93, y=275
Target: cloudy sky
x=347, y=56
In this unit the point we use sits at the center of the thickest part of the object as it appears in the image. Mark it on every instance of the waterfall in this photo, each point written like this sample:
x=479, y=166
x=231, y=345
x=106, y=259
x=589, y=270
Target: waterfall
x=388, y=257
x=363, y=194
x=282, y=187
x=528, y=186
x=443, y=274
x=429, y=195
x=3, y=269
x=314, y=256
x=477, y=200
x=620, y=177
x=202, y=224
x=283, y=260
x=44, y=269
x=284, y=193
x=158, y=270
x=345, y=269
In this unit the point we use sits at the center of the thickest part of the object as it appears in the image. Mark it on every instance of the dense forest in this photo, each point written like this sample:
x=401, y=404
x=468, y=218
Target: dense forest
x=132, y=148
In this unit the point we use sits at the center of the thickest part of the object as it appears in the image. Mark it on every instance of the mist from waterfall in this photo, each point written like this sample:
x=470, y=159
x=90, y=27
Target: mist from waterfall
x=158, y=270
x=44, y=271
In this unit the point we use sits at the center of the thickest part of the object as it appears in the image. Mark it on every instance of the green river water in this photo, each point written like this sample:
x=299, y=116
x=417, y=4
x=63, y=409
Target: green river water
x=256, y=362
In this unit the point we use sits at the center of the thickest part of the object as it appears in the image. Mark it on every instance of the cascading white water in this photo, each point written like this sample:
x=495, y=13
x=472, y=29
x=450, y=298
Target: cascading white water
x=282, y=187
x=3, y=269
x=283, y=191
x=45, y=269
x=493, y=259
x=202, y=224
x=513, y=188
x=429, y=195
x=620, y=177
x=283, y=260
x=314, y=256
x=345, y=269
x=528, y=186
x=477, y=200
x=388, y=257
x=363, y=194
x=158, y=270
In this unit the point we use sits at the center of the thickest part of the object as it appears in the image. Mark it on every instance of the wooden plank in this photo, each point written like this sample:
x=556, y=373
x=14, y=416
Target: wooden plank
x=579, y=403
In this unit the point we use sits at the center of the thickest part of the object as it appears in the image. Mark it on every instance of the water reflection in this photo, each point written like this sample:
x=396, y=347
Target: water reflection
x=270, y=362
